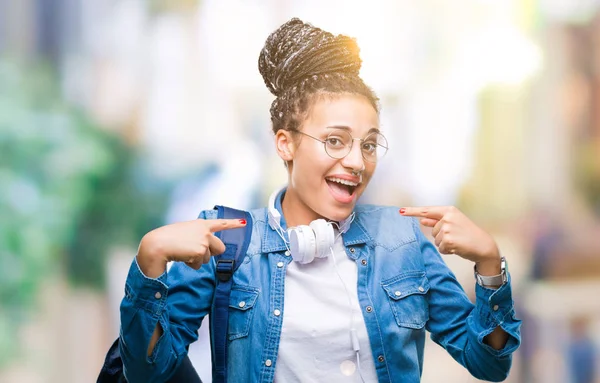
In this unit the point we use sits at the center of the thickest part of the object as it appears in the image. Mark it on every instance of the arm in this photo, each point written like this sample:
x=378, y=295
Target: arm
x=496, y=339
x=460, y=327
x=160, y=318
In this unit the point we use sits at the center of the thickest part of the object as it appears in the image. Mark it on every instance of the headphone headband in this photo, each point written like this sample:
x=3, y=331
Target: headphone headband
x=274, y=216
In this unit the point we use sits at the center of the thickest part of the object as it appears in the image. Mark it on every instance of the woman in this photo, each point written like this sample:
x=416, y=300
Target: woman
x=354, y=307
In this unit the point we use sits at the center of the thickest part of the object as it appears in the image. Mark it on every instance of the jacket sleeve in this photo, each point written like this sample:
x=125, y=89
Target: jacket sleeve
x=178, y=301
x=459, y=326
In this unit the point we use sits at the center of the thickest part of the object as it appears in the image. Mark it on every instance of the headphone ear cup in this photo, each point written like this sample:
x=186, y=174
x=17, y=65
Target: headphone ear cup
x=324, y=237
x=302, y=244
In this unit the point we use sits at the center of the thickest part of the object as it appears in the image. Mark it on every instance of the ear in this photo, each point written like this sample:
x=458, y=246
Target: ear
x=284, y=144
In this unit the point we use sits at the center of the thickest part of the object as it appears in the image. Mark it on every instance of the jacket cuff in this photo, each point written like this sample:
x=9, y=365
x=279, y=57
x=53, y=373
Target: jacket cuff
x=145, y=293
x=495, y=308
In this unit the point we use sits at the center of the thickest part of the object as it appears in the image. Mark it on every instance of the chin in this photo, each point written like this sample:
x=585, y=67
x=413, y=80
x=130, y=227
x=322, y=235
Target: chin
x=340, y=213
x=331, y=208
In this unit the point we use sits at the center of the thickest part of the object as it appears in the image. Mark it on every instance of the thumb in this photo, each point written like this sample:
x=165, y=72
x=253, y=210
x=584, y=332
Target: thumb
x=429, y=222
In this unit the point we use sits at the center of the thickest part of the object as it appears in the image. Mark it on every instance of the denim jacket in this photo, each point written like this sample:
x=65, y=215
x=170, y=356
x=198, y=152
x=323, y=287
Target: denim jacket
x=404, y=289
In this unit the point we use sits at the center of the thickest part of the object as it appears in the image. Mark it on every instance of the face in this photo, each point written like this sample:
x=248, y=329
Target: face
x=319, y=185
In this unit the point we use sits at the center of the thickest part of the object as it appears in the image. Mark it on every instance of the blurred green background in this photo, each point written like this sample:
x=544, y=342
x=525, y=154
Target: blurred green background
x=120, y=116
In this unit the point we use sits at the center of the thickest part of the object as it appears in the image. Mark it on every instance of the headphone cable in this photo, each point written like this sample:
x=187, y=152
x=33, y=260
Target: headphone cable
x=353, y=336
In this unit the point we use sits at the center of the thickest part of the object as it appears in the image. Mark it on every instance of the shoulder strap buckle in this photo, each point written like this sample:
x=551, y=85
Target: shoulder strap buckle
x=225, y=269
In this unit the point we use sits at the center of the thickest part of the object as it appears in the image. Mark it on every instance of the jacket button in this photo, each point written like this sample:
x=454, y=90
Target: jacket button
x=280, y=264
x=242, y=304
x=364, y=262
x=158, y=295
x=369, y=309
x=287, y=253
x=380, y=358
x=268, y=363
x=277, y=313
x=352, y=250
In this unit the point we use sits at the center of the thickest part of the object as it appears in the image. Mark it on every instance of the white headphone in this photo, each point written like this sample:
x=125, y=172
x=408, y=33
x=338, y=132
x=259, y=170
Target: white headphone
x=306, y=241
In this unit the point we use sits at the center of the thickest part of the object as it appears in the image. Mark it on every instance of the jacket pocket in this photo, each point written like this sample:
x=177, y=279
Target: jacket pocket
x=241, y=310
x=407, y=295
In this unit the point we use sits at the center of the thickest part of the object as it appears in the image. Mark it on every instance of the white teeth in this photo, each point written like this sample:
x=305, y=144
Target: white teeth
x=343, y=182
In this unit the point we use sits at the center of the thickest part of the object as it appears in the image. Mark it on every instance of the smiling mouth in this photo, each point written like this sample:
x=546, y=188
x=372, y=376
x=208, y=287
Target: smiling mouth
x=342, y=185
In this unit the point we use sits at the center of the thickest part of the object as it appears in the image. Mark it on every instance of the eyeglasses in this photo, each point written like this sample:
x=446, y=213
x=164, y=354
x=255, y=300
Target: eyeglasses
x=338, y=144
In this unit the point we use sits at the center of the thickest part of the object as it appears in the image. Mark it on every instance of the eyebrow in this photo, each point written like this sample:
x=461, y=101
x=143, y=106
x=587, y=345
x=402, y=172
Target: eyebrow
x=347, y=128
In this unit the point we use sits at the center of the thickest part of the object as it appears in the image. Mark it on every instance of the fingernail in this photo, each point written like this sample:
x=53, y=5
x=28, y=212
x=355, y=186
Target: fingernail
x=402, y=210
x=243, y=221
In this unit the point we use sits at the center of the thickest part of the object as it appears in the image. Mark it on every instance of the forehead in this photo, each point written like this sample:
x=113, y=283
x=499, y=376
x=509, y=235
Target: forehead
x=353, y=111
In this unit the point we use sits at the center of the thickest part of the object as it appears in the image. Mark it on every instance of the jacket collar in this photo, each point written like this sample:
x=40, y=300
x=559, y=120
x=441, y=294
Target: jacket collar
x=272, y=241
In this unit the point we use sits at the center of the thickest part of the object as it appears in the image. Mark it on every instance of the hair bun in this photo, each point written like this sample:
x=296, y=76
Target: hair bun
x=297, y=50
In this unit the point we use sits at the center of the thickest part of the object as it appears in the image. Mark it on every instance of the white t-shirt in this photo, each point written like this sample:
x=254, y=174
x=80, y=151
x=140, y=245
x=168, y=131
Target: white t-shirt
x=315, y=343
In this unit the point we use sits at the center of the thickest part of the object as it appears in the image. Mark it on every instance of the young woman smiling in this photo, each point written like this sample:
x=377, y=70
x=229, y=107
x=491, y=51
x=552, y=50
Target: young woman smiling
x=330, y=290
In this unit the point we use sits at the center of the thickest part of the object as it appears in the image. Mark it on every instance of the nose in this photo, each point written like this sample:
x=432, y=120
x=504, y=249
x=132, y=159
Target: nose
x=354, y=160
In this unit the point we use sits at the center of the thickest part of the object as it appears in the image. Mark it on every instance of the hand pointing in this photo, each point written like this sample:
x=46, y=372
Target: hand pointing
x=455, y=233
x=191, y=242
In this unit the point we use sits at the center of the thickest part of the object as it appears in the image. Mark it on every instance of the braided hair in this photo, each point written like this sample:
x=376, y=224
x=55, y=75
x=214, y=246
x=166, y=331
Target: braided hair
x=300, y=61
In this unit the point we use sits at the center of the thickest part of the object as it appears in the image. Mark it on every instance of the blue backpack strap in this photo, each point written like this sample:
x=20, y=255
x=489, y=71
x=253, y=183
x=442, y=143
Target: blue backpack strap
x=236, y=244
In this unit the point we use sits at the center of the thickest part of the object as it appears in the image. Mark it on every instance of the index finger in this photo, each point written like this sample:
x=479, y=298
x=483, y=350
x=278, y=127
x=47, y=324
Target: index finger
x=433, y=212
x=215, y=225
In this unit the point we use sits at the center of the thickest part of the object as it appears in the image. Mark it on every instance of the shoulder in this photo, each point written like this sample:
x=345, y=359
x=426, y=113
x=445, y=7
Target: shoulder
x=386, y=226
x=259, y=215
x=381, y=214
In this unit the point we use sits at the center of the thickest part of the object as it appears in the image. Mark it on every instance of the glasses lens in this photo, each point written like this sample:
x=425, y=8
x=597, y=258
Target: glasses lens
x=374, y=147
x=338, y=143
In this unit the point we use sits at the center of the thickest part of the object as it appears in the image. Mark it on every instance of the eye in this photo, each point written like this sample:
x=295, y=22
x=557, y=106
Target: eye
x=369, y=147
x=334, y=142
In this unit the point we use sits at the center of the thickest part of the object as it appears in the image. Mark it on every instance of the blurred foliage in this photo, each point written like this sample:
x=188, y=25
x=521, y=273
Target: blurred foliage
x=70, y=191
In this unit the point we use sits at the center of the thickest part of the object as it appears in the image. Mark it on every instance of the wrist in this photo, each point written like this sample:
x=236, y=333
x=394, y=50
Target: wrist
x=489, y=276
x=489, y=267
x=491, y=262
x=150, y=258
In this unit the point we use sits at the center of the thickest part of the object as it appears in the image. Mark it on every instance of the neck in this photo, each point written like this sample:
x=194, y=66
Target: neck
x=295, y=211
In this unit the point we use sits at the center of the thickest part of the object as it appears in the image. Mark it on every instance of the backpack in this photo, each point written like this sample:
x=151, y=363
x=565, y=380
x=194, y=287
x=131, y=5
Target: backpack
x=236, y=244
